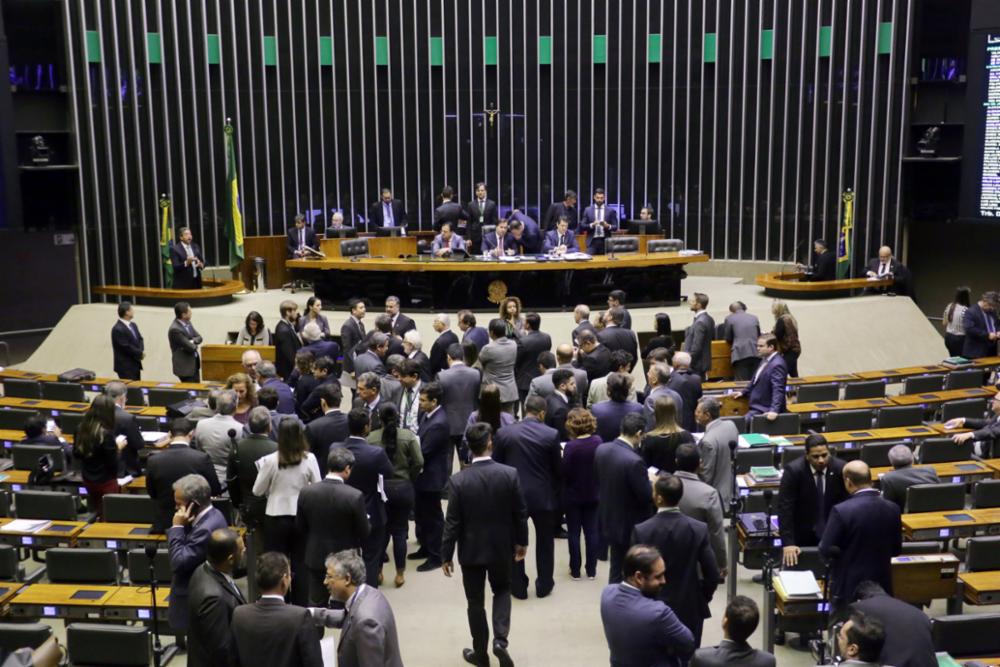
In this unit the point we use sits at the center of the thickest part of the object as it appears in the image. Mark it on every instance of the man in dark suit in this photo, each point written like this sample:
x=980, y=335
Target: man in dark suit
x=886, y=266
x=450, y=211
x=438, y=358
x=766, y=391
x=415, y=356
x=331, y=427
x=860, y=640
x=627, y=606
x=562, y=209
x=657, y=379
x=532, y=448
x=267, y=377
x=184, y=341
x=400, y=322
x=270, y=632
x=986, y=431
x=598, y=222
x=435, y=436
x=387, y=212
x=301, y=237
x=126, y=424
x=688, y=384
x=332, y=516
x=352, y=331
x=324, y=372
x=616, y=299
x=187, y=261
x=498, y=243
x=480, y=213
x=691, y=571
x=286, y=340
x=982, y=328
x=371, y=465
x=615, y=336
x=738, y=623
x=824, y=266
x=904, y=475
x=530, y=239
x=810, y=487
x=187, y=541
x=212, y=597
x=562, y=399
x=127, y=344
x=908, y=640
x=459, y=394
x=241, y=471
x=488, y=520
x=862, y=535
x=624, y=491
x=470, y=332
x=698, y=337
x=609, y=413
x=581, y=316
x=532, y=343
x=742, y=332
x=168, y=465
x=560, y=240
x=592, y=356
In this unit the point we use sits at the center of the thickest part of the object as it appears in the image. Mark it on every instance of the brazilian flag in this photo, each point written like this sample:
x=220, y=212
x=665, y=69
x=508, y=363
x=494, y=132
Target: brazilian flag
x=166, y=237
x=844, y=240
x=234, y=219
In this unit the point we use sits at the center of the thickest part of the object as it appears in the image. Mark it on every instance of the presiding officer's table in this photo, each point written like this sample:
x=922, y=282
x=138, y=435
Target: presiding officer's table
x=785, y=284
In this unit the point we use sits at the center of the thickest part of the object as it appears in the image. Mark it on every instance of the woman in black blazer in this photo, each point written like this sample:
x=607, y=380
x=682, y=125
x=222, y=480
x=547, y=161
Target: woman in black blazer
x=96, y=447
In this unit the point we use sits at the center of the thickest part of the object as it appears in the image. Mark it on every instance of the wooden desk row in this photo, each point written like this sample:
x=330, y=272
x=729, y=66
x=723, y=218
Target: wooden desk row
x=68, y=534
x=951, y=524
x=97, y=384
x=57, y=407
x=85, y=602
x=818, y=410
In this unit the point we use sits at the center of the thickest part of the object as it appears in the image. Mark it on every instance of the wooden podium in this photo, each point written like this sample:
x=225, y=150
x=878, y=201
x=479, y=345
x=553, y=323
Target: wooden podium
x=218, y=362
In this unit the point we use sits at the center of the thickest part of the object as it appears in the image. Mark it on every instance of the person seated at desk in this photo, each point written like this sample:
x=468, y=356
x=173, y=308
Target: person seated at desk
x=387, y=212
x=903, y=475
x=560, y=240
x=525, y=231
x=36, y=432
x=908, y=638
x=337, y=222
x=300, y=238
x=886, y=266
x=985, y=431
x=824, y=266
x=647, y=213
x=187, y=260
x=447, y=242
x=253, y=332
x=499, y=243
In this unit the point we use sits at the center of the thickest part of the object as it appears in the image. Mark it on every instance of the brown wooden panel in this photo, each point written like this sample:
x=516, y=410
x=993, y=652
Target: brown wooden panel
x=218, y=362
x=622, y=261
x=212, y=289
x=274, y=250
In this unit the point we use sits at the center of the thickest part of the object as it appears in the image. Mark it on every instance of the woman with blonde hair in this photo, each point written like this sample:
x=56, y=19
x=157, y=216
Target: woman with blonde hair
x=246, y=395
x=786, y=331
x=659, y=446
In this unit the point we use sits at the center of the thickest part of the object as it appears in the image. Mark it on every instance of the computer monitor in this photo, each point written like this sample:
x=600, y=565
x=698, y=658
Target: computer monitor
x=389, y=231
x=341, y=233
x=645, y=227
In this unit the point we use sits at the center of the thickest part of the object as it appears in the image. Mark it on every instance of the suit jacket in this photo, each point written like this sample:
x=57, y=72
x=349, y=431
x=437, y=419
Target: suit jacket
x=542, y=384
x=692, y=573
x=587, y=226
x=551, y=241
x=895, y=483
x=286, y=399
x=698, y=342
x=270, y=632
x=688, y=385
x=188, y=547
x=126, y=424
x=798, y=511
x=286, y=344
x=424, y=365
x=824, y=267
x=556, y=409
x=402, y=324
x=460, y=395
x=700, y=501
x=649, y=404
x=596, y=363
x=185, y=276
x=368, y=637
x=609, y=416
x=435, y=440
x=529, y=346
x=730, y=654
x=625, y=493
x=585, y=325
x=977, y=323
x=369, y=361
x=766, y=391
x=867, y=529
x=642, y=631
x=166, y=467
x=376, y=214
x=211, y=601
x=184, y=342
x=619, y=338
x=323, y=432
x=438, y=358
x=455, y=244
x=479, y=219
x=128, y=348
x=532, y=448
x=908, y=641
x=742, y=331
x=310, y=407
x=477, y=335
x=350, y=336
x=486, y=515
x=450, y=211
x=987, y=431
x=716, y=462
x=557, y=210
x=332, y=517
x=498, y=359
x=292, y=240
x=370, y=463
x=532, y=237
x=490, y=242
x=241, y=473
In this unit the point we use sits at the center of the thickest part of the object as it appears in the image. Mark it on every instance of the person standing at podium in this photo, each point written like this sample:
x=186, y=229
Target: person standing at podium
x=824, y=266
x=301, y=237
x=187, y=260
x=387, y=212
x=127, y=344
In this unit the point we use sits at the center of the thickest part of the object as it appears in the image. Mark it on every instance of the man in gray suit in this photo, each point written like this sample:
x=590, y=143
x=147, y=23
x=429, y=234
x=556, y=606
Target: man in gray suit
x=698, y=337
x=367, y=625
x=460, y=394
x=716, y=457
x=549, y=364
x=212, y=435
x=371, y=360
x=742, y=331
x=738, y=623
x=904, y=475
x=184, y=341
x=700, y=501
x=498, y=359
x=656, y=382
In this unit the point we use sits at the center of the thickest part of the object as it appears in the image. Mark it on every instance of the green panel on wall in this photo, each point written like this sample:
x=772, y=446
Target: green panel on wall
x=825, y=41
x=767, y=44
x=884, y=38
x=325, y=51
x=490, y=50
x=270, y=50
x=154, y=54
x=213, y=50
x=545, y=50
x=654, y=48
x=711, y=47
x=381, y=50
x=600, y=49
x=93, y=46
x=437, y=51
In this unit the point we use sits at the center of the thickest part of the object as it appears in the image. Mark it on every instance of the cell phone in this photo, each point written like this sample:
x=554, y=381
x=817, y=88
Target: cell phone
x=193, y=508
x=50, y=425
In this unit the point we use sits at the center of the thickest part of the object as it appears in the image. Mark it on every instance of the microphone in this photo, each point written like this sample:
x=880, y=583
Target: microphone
x=768, y=496
x=150, y=550
x=232, y=435
x=732, y=446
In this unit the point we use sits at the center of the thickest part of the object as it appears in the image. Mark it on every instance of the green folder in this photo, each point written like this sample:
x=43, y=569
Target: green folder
x=756, y=439
x=764, y=472
x=945, y=660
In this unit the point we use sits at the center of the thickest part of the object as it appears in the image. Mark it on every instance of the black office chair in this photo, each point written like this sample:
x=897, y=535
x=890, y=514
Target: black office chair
x=972, y=408
x=741, y=423
x=23, y=635
x=868, y=389
x=225, y=505
x=53, y=505
x=486, y=231
x=93, y=644
x=138, y=567
x=754, y=502
x=787, y=423
x=10, y=564
x=135, y=396
x=17, y=388
x=817, y=393
x=129, y=508
x=26, y=457
x=354, y=248
x=664, y=245
x=943, y=450
x=986, y=493
x=81, y=566
x=5, y=504
x=900, y=415
x=789, y=454
x=875, y=454
x=966, y=634
x=63, y=391
x=916, y=548
x=935, y=498
x=617, y=244
x=982, y=554
x=848, y=420
x=160, y=397
x=150, y=423
x=14, y=418
x=922, y=384
x=69, y=422
x=967, y=379
x=752, y=458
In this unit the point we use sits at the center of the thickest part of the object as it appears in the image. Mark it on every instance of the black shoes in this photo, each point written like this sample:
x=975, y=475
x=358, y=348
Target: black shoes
x=429, y=565
x=419, y=554
x=501, y=653
x=470, y=657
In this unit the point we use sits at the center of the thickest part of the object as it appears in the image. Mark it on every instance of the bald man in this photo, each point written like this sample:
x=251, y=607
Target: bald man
x=862, y=535
x=886, y=266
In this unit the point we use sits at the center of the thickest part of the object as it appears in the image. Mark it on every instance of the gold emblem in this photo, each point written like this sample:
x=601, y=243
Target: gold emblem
x=497, y=291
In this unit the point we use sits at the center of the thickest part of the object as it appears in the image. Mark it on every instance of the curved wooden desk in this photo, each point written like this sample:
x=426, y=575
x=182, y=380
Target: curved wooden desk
x=793, y=285
x=437, y=264
x=212, y=292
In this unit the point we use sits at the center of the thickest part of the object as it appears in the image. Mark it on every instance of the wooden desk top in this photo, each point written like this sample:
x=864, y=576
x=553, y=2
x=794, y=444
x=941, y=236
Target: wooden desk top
x=727, y=385
x=235, y=352
x=18, y=374
x=993, y=464
x=988, y=660
x=621, y=261
x=946, y=470
x=120, y=531
x=14, y=477
x=829, y=406
x=62, y=594
x=14, y=436
x=8, y=589
x=211, y=289
x=792, y=282
x=139, y=596
x=985, y=362
x=68, y=529
x=40, y=404
x=137, y=485
x=863, y=435
x=895, y=374
x=943, y=396
x=981, y=581
x=158, y=411
x=934, y=520
x=189, y=386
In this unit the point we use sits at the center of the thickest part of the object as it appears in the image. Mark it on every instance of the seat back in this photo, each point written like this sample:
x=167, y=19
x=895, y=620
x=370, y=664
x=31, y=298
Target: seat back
x=900, y=415
x=135, y=396
x=972, y=408
x=849, y=420
x=966, y=635
x=920, y=384
x=967, y=379
x=54, y=505
x=23, y=635
x=84, y=566
x=10, y=563
x=935, y=497
x=621, y=244
x=664, y=245
x=982, y=554
x=147, y=423
x=740, y=422
x=942, y=450
x=14, y=418
x=69, y=422
x=754, y=502
x=17, y=388
x=160, y=397
x=138, y=567
x=789, y=454
x=225, y=505
x=108, y=645
x=26, y=457
x=488, y=229
x=129, y=508
x=354, y=247
x=787, y=423
x=63, y=391
x=986, y=493
x=814, y=393
x=750, y=458
x=876, y=454
x=869, y=389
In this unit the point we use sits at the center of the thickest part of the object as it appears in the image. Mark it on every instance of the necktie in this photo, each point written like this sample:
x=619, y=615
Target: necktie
x=820, y=514
x=600, y=214
x=361, y=326
x=302, y=237
x=134, y=329
x=499, y=244
x=481, y=205
x=882, y=270
x=562, y=240
x=387, y=215
x=409, y=407
x=990, y=327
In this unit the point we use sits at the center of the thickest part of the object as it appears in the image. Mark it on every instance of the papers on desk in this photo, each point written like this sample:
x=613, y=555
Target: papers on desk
x=764, y=474
x=799, y=583
x=25, y=526
x=688, y=253
x=576, y=256
x=746, y=440
x=124, y=481
x=153, y=437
